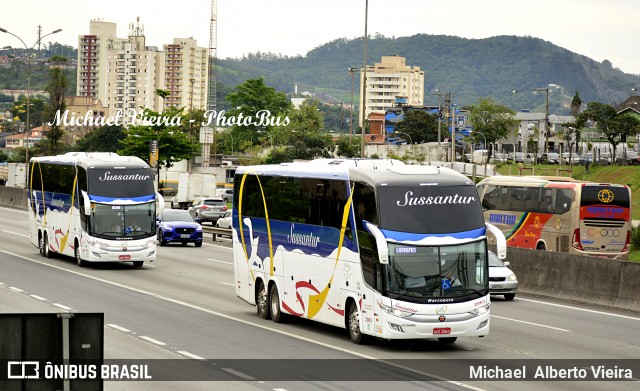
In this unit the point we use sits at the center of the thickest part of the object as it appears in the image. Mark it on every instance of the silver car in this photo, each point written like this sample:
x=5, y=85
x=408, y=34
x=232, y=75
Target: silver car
x=208, y=209
x=502, y=281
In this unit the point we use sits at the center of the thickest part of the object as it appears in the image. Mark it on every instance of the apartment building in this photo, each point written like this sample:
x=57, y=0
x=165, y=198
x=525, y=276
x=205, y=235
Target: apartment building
x=124, y=73
x=388, y=79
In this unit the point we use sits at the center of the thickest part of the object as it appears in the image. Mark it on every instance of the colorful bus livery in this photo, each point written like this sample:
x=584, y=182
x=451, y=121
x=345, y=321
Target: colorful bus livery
x=95, y=207
x=376, y=247
x=561, y=215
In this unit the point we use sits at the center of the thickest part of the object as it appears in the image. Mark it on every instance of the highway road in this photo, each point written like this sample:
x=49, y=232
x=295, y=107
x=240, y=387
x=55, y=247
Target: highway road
x=183, y=306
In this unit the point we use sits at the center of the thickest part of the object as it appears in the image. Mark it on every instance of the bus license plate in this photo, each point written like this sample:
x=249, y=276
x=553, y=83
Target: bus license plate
x=185, y=236
x=124, y=257
x=441, y=330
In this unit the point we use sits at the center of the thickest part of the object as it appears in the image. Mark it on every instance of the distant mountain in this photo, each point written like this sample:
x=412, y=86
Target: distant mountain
x=468, y=68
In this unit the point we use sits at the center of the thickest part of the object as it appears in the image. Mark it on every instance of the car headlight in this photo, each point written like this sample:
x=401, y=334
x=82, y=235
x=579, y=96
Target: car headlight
x=167, y=228
x=395, y=311
x=512, y=277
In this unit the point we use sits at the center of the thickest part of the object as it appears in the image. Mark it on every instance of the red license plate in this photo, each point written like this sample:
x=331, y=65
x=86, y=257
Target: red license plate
x=441, y=330
x=124, y=257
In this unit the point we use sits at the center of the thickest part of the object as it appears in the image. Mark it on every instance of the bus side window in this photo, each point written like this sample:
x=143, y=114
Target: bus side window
x=369, y=259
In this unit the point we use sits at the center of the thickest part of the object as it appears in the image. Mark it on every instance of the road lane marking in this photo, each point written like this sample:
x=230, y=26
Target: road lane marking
x=530, y=323
x=38, y=297
x=15, y=233
x=217, y=245
x=227, y=283
x=120, y=328
x=238, y=320
x=239, y=374
x=219, y=261
x=154, y=341
x=13, y=288
x=580, y=309
x=64, y=307
x=190, y=355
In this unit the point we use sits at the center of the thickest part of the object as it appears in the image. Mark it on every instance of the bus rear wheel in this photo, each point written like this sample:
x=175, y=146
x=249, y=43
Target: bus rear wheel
x=274, y=300
x=353, y=325
x=262, y=302
x=45, y=248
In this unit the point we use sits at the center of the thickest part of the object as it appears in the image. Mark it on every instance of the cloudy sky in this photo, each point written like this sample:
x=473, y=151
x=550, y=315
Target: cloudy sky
x=595, y=28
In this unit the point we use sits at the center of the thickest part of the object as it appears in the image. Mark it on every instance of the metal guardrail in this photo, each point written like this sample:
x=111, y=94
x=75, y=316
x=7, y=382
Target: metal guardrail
x=215, y=231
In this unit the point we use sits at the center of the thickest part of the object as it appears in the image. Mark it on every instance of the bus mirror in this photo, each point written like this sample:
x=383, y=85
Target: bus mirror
x=381, y=243
x=159, y=202
x=501, y=242
x=87, y=203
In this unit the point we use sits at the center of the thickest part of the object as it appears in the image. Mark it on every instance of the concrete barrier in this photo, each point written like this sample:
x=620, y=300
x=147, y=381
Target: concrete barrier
x=606, y=282
x=13, y=197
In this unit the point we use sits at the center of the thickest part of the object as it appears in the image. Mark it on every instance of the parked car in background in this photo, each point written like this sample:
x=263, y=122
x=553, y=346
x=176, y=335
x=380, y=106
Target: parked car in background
x=502, y=281
x=629, y=158
x=605, y=159
x=575, y=158
x=531, y=158
x=549, y=158
x=586, y=158
x=225, y=220
x=225, y=194
x=177, y=226
x=519, y=157
x=499, y=158
x=208, y=209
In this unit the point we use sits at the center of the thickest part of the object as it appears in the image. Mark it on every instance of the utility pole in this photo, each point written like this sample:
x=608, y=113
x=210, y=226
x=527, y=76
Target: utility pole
x=352, y=72
x=364, y=76
x=547, y=126
x=439, y=94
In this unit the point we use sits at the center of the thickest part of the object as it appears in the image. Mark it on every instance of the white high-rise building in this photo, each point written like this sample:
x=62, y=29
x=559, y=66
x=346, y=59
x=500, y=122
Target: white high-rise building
x=185, y=74
x=389, y=79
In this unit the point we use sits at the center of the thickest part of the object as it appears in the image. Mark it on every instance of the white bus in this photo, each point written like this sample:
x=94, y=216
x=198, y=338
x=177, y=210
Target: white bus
x=96, y=207
x=376, y=247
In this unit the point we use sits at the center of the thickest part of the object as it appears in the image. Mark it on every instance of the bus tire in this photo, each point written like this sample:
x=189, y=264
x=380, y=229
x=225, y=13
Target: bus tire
x=138, y=263
x=76, y=253
x=353, y=325
x=46, y=252
x=41, y=243
x=274, y=302
x=447, y=340
x=262, y=303
x=541, y=247
x=509, y=296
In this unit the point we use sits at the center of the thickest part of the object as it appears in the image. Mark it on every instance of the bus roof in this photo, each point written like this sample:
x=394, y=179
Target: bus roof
x=377, y=172
x=93, y=160
x=532, y=179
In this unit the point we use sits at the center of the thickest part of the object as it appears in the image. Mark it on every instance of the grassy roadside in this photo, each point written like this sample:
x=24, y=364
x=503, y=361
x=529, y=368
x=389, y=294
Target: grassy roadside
x=626, y=175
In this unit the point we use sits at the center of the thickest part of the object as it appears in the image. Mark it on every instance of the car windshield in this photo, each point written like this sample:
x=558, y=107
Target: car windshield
x=177, y=215
x=423, y=273
x=494, y=261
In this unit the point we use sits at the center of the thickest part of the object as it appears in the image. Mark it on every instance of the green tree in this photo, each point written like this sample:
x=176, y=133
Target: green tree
x=492, y=120
x=103, y=139
x=36, y=112
x=57, y=89
x=348, y=148
x=606, y=119
x=170, y=128
x=420, y=125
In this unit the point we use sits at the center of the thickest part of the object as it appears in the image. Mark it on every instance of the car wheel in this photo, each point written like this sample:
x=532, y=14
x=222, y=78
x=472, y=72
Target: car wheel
x=226, y=200
x=161, y=238
x=447, y=340
x=261, y=301
x=138, y=263
x=76, y=253
x=353, y=325
x=509, y=296
x=198, y=244
x=274, y=301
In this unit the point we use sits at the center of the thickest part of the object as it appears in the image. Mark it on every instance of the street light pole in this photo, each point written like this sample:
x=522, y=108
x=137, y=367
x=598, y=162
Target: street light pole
x=352, y=72
x=27, y=130
x=364, y=76
x=439, y=94
x=408, y=135
x=546, y=118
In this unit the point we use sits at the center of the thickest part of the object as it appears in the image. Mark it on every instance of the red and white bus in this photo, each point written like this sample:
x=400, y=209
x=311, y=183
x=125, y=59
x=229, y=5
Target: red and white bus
x=559, y=214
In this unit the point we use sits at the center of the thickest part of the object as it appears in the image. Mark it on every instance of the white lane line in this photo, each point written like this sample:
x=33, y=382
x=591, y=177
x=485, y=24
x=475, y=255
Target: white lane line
x=64, y=307
x=120, y=328
x=217, y=245
x=190, y=355
x=581, y=309
x=239, y=320
x=13, y=288
x=239, y=374
x=15, y=233
x=38, y=297
x=227, y=283
x=22, y=221
x=155, y=341
x=219, y=261
x=529, y=323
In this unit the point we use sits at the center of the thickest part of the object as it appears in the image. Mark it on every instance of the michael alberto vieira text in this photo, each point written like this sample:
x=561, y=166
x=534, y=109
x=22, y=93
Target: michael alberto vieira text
x=549, y=372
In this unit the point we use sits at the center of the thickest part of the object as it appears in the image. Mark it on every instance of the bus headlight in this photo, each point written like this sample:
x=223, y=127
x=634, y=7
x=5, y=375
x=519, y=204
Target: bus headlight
x=151, y=243
x=395, y=311
x=481, y=310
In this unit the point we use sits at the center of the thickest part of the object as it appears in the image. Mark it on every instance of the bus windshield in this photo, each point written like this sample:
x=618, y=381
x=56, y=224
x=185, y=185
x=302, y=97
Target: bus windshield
x=427, y=272
x=123, y=221
x=430, y=209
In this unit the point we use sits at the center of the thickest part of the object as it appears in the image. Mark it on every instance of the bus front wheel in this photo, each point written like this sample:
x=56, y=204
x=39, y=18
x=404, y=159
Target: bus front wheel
x=353, y=324
x=274, y=299
x=261, y=301
x=76, y=252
